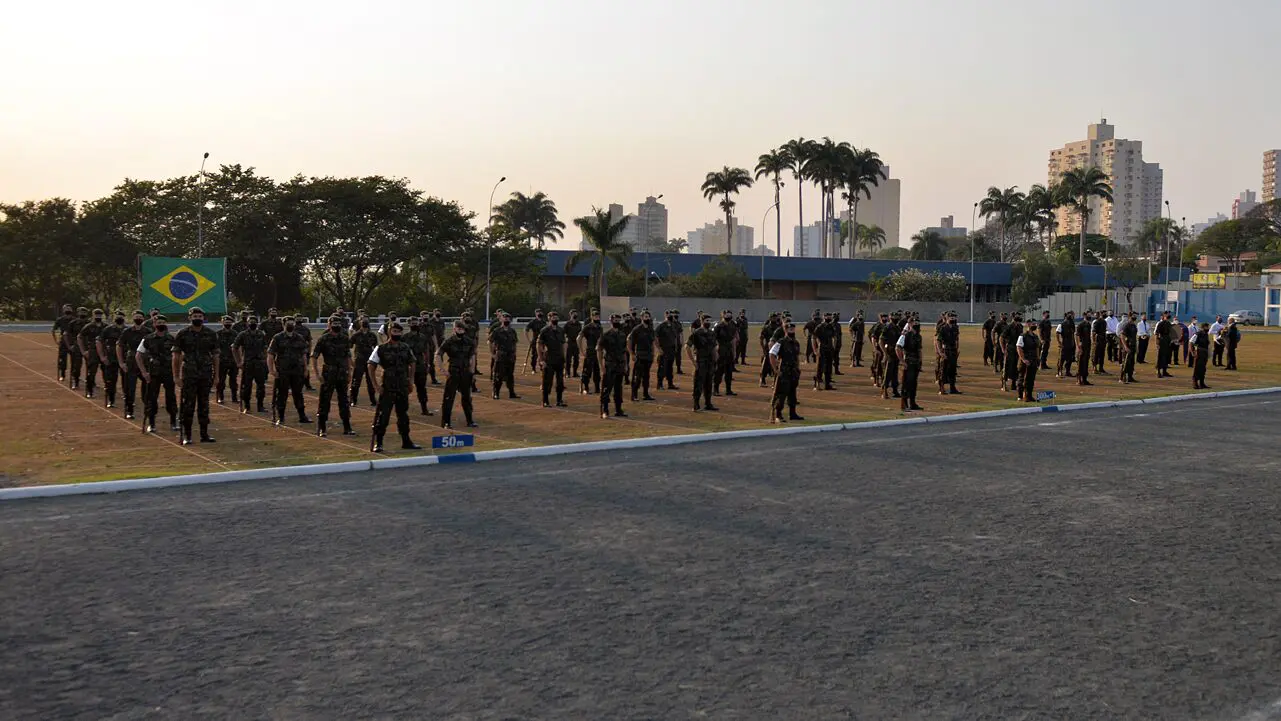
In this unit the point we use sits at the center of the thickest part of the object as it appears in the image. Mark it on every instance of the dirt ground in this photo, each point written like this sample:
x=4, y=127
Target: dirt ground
x=50, y=434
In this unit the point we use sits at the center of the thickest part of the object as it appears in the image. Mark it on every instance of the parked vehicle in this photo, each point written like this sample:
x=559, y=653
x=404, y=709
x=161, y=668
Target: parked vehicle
x=1247, y=317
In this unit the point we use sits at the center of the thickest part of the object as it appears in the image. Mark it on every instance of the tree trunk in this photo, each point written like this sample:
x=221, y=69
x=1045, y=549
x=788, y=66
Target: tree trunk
x=1085, y=214
x=778, y=221
x=854, y=227
x=729, y=230
x=800, y=206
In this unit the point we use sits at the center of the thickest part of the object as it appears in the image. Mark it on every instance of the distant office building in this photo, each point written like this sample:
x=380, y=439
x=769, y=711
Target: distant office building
x=947, y=229
x=1137, y=186
x=881, y=209
x=1244, y=203
x=710, y=239
x=1199, y=228
x=1271, y=176
x=650, y=220
x=807, y=242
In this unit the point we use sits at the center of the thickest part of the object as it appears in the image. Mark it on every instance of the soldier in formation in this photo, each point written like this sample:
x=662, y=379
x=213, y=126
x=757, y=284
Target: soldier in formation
x=640, y=346
x=726, y=334
x=785, y=356
x=1028, y=348
x=195, y=366
x=334, y=346
x=107, y=347
x=286, y=361
x=533, y=327
x=907, y=349
x=502, y=348
x=250, y=351
x=702, y=349
x=62, y=335
x=988, y=335
x=397, y=363
x=228, y=371
x=573, y=327
x=611, y=357
x=551, y=357
x=667, y=334
x=588, y=341
x=126, y=346
x=87, y=344
x=947, y=346
x=1200, y=342
x=422, y=341
x=459, y=353
x=856, y=340
x=154, y=357
x=743, y=326
x=363, y=343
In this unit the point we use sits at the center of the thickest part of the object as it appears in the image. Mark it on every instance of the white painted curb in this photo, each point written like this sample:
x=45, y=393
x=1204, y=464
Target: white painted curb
x=255, y=474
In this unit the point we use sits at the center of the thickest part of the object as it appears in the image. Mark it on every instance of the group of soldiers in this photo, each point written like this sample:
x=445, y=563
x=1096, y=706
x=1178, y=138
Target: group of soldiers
x=237, y=359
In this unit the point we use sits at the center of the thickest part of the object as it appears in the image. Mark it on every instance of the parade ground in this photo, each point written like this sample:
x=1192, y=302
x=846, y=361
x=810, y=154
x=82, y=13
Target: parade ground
x=51, y=434
x=1104, y=564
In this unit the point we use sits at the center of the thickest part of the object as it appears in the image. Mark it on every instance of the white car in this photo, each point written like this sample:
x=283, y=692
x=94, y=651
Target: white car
x=1247, y=317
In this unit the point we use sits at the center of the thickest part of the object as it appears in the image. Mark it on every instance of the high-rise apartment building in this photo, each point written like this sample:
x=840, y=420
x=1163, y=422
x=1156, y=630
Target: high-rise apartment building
x=1271, y=176
x=947, y=229
x=710, y=239
x=1244, y=203
x=1137, y=186
x=807, y=242
x=649, y=222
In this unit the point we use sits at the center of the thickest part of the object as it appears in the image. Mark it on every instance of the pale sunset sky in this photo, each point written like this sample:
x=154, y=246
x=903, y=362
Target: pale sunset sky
x=606, y=101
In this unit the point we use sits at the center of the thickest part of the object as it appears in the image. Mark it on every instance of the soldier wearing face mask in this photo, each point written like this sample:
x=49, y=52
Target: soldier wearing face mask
x=667, y=336
x=363, y=343
x=573, y=327
x=250, y=349
x=785, y=356
x=154, y=358
x=286, y=361
x=195, y=366
x=640, y=345
x=461, y=354
x=397, y=362
x=271, y=325
x=502, y=348
x=88, y=343
x=726, y=333
x=611, y=355
x=551, y=357
x=108, y=339
x=532, y=329
x=419, y=340
x=334, y=346
x=702, y=350
x=77, y=325
x=907, y=350
x=590, y=336
x=62, y=336
x=130, y=338
x=228, y=373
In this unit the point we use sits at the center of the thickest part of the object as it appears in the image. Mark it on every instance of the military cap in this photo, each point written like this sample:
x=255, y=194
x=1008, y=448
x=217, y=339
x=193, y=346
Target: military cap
x=161, y=318
x=289, y=318
x=82, y=309
x=194, y=310
x=270, y=310
x=120, y=314
x=66, y=306
x=97, y=311
x=226, y=318
x=395, y=325
x=138, y=312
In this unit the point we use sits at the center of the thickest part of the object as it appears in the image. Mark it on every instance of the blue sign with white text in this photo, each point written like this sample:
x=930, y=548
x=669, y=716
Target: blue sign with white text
x=459, y=441
x=1045, y=395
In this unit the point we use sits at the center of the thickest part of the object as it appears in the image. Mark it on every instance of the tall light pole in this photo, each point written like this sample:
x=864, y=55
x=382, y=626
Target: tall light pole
x=974, y=219
x=200, y=208
x=1165, y=303
x=773, y=207
x=646, y=240
x=489, y=242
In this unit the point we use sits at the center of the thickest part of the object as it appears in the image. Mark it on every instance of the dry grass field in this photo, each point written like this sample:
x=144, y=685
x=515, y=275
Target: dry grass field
x=50, y=434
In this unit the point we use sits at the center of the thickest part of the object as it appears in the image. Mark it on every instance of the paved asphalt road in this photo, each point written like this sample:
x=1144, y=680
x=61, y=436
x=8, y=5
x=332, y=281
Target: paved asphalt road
x=1029, y=567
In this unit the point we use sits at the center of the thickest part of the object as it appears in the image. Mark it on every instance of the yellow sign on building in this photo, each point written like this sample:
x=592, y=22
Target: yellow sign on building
x=1209, y=280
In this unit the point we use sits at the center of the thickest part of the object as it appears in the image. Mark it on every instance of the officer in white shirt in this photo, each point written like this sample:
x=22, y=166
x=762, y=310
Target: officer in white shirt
x=1217, y=339
x=1145, y=334
x=1113, y=326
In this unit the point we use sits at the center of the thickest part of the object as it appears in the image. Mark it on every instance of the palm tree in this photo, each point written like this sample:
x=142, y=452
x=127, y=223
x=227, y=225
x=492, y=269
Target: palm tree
x=772, y=165
x=871, y=238
x=1002, y=204
x=823, y=168
x=928, y=245
x=532, y=217
x=798, y=151
x=1042, y=202
x=603, y=237
x=1078, y=186
x=862, y=172
x=726, y=182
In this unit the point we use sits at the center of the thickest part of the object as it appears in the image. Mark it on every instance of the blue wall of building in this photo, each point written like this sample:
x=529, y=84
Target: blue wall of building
x=1205, y=304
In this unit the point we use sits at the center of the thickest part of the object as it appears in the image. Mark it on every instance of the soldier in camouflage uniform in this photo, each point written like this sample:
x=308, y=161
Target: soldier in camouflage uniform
x=363, y=343
x=287, y=360
x=195, y=366
x=72, y=339
x=502, y=348
x=106, y=343
x=126, y=346
x=611, y=355
x=533, y=327
x=590, y=336
x=702, y=350
x=228, y=372
x=154, y=357
x=397, y=361
x=271, y=325
x=250, y=349
x=824, y=339
x=743, y=325
x=856, y=340
x=334, y=346
x=61, y=329
x=726, y=333
x=87, y=343
x=878, y=349
x=573, y=327
x=667, y=336
x=421, y=343
x=890, y=333
x=785, y=355
x=551, y=358
x=680, y=339
x=947, y=340
x=907, y=350
x=461, y=353
x=640, y=345
x=838, y=342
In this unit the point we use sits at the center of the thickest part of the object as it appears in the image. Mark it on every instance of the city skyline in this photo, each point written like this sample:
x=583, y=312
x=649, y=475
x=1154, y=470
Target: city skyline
x=129, y=92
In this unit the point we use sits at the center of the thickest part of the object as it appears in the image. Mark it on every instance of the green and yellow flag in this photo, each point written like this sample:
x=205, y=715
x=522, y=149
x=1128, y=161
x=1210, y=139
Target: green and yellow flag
x=175, y=285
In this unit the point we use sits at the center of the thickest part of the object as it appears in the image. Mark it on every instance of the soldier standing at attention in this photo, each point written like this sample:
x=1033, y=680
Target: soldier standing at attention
x=87, y=344
x=702, y=350
x=1028, y=347
x=878, y=350
x=1200, y=355
x=1045, y=327
x=61, y=329
x=1100, y=333
x=154, y=358
x=1128, y=338
x=890, y=333
x=272, y=325
x=305, y=333
x=1010, y=379
x=1084, y=334
x=130, y=338
x=363, y=343
x=907, y=350
x=335, y=347
x=420, y=344
x=838, y=342
x=532, y=328
x=785, y=356
x=573, y=327
x=588, y=339
x=998, y=349
x=640, y=346
x=250, y=349
x=668, y=349
x=227, y=362
x=1066, y=333
x=726, y=333
x=1164, y=333
x=397, y=361
x=947, y=339
x=743, y=325
x=74, y=327
x=502, y=347
x=438, y=333
x=473, y=335
x=989, y=327
x=766, y=341
x=195, y=365
x=1234, y=339
x=150, y=323
x=680, y=339
x=824, y=339
x=856, y=340
x=811, y=351
x=106, y=344
x=460, y=352
x=551, y=356
x=611, y=355
x=241, y=324
x=286, y=357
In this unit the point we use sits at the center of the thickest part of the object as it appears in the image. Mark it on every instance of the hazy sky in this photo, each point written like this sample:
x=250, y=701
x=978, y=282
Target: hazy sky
x=605, y=101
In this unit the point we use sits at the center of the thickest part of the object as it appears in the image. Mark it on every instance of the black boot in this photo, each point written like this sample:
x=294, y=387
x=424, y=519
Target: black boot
x=302, y=418
x=376, y=443
x=204, y=435
x=346, y=429
x=320, y=429
x=409, y=445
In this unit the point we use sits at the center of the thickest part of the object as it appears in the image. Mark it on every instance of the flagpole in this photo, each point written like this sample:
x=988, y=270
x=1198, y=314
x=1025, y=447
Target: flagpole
x=200, y=223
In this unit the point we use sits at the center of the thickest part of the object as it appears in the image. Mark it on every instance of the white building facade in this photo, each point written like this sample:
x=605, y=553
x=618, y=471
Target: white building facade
x=710, y=239
x=1137, y=185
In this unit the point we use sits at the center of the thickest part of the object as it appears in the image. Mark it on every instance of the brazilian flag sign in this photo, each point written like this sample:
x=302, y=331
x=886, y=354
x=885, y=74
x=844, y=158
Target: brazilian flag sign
x=175, y=285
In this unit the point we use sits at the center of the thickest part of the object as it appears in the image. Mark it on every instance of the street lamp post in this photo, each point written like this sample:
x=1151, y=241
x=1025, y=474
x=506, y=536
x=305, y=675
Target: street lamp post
x=646, y=240
x=200, y=208
x=974, y=215
x=489, y=242
x=1165, y=302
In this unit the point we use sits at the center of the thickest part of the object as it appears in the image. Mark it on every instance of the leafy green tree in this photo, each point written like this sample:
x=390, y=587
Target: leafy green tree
x=894, y=253
x=1039, y=206
x=35, y=243
x=798, y=152
x=772, y=165
x=532, y=217
x=928, y=245
x=603, y=237
x=1127, y=270
x=459, y=271
x=675, y=245
x=726, y=183
x=1037, y=273
x=860, y=171
x=720, y=277
x=626, y=281
x=1077, y=187
x=959, y=248
x=823, y=167
x=1094, y=243
x=1232, y=239
x=911, y=284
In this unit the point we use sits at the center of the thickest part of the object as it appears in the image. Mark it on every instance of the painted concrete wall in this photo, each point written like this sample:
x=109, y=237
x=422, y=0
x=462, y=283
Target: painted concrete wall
x=758, y=310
